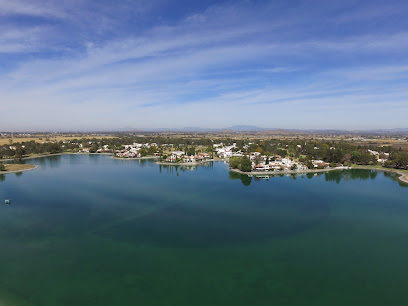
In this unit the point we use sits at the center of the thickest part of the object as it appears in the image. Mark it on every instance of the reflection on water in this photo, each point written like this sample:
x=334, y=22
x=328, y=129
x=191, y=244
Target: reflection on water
x=245, y=179
x=3, y=176
x=394, y=177
x=337, y=176
x=177, y=169
x=51, y=161
x=330, y=176
x=143, y=162
x=311, y=175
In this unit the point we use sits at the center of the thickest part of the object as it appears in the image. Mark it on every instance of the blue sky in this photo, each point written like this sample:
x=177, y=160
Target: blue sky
x=106, y=65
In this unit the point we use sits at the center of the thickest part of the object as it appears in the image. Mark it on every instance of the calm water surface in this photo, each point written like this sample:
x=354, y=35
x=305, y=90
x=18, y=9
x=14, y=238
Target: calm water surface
x=92, y=230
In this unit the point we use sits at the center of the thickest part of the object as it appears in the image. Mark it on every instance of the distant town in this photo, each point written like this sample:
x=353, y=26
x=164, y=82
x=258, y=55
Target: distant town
x=244, y=152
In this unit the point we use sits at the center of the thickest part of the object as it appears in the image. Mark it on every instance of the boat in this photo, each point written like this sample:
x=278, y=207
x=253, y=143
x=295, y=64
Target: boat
x=7, y=202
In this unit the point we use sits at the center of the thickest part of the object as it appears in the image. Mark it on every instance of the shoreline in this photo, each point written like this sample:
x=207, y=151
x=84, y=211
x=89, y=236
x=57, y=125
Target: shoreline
x=71, y=153
x=135, y=158
x=183, y=164
x=403, y=177
x=288, y=171
x=56, y=154
x=17, y=171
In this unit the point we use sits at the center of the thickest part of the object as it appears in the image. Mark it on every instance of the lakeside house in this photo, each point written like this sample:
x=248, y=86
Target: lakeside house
x=180, y=156
x=224, y=151
x=319, y=164
x=382, y=157
x=133, y=150
x=104, y=149
x=280, y=164
x=172, y=159
x=128, y=154
x=273, y=163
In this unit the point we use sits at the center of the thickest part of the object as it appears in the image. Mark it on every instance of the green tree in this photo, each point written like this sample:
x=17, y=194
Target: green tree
x=190, y=151
x=258, y=160
x=246, y=165
x=93, y=148
x=234, y=162
x=143, y=152
x=401, y=162
x=282, y=152
x=309, y=165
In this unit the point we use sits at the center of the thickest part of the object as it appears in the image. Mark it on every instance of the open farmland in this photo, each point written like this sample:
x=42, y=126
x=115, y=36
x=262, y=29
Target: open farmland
x=46, y=138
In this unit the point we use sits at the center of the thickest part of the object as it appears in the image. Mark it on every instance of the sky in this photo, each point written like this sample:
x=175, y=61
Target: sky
x=292, y=64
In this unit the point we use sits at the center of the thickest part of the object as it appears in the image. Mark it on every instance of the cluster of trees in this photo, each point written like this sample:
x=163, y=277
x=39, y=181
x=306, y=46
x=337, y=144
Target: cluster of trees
x=35, y=148
x=148, y=151
x=333, y=152
x=30, y=148
x=241, y=163
x=329, y=151
x=398, y=160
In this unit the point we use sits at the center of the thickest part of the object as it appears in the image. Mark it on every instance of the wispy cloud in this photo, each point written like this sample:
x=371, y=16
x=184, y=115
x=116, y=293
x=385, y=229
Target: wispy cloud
x=30, y=8
x=223, y=59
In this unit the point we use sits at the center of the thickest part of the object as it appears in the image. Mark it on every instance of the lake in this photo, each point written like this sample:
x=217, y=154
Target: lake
x=93, y=230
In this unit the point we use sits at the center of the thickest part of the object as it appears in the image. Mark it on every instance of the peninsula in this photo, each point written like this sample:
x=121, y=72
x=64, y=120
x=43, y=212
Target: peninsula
x=15, y=168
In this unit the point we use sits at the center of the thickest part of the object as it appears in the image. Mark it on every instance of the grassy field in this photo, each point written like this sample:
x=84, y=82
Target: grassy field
x=42, y=138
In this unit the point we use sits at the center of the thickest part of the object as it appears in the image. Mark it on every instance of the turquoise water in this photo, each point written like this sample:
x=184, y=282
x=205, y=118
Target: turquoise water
x=92, y=230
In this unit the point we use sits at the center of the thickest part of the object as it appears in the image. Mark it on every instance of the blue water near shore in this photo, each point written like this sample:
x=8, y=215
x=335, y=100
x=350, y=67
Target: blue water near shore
x=92, y=230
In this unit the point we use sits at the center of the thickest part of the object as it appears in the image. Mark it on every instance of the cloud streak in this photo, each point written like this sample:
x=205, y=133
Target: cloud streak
x=216, y=66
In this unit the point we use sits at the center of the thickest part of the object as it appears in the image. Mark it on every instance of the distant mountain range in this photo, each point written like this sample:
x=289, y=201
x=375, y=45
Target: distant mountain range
x=235, y=128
